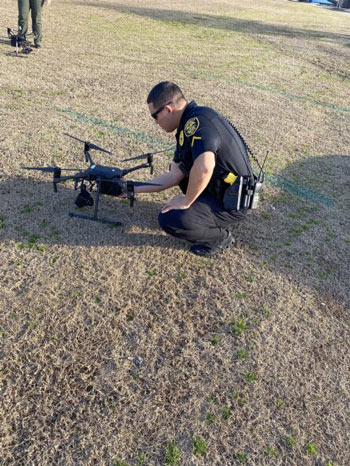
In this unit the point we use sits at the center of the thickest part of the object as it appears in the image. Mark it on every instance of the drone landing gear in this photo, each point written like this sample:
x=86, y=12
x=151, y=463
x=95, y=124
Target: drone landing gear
x=85, y=199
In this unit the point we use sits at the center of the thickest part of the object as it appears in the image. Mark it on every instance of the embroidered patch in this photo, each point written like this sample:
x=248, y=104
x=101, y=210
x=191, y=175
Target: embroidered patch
x=191, y=126
x=181, y=138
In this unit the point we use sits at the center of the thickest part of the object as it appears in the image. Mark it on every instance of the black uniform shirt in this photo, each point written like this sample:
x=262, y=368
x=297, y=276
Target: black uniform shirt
x=202, y=129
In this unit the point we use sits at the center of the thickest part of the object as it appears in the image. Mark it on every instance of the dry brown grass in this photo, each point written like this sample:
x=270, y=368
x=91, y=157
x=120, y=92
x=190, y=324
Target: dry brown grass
x=250, y=351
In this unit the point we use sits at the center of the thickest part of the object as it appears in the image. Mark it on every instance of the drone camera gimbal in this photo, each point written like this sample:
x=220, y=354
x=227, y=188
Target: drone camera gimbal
x=84, y=198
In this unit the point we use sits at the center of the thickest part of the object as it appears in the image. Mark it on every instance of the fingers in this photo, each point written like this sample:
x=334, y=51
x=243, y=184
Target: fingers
x=166, y=209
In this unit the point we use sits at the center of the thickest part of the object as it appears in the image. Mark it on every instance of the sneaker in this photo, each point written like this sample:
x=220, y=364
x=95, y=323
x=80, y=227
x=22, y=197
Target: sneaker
x=37, y=45
x=206, y=251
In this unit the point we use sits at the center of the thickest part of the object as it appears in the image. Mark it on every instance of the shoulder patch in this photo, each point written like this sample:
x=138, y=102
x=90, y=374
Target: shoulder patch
x=181, y=138
x=191, y=126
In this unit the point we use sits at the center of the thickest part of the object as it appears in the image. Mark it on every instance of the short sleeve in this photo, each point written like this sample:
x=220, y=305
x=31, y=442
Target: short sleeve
x=202, y=135
x=176, y=157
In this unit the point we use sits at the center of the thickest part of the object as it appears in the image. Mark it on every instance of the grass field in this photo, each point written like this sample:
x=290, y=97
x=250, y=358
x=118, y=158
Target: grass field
x=117, y=346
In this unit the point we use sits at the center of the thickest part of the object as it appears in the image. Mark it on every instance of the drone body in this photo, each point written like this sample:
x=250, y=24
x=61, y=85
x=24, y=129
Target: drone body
x=19, y=42
x=109, y=173
x=107, y=180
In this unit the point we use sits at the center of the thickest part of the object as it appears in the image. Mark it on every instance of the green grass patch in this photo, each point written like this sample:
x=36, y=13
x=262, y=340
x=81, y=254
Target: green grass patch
x=311, y=448
x=241, y=458
x=250, y=377
x=226, y=413
x=172, y=454
x=242, y=354
x=238, y=326
x=199, y=446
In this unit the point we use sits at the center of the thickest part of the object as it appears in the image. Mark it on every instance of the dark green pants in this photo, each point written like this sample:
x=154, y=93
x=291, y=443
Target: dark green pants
x=23, y=13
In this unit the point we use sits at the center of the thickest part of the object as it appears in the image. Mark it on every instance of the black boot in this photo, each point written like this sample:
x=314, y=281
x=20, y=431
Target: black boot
x=207, y=251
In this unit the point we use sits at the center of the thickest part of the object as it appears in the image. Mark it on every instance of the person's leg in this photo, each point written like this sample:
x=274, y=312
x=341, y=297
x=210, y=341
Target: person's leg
x=36, y=6
x=204, y=224
x=23, y=13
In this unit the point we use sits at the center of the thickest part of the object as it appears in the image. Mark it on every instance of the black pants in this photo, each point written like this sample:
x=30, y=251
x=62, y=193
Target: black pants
x=205, y=222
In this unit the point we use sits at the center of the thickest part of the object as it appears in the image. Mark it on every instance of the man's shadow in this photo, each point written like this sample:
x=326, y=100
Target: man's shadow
x=302, y=228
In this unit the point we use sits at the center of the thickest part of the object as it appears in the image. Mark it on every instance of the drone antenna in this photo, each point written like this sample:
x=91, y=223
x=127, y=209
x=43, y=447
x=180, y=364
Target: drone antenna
x=267, y=153
x=262, y=167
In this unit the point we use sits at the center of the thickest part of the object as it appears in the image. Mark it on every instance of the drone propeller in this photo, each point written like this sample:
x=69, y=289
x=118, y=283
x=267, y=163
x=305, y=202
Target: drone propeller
x=50, y=169
x=145, y=156
x=90, y=144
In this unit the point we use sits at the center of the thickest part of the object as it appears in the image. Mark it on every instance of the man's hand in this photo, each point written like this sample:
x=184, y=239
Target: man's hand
x=46, y=2
x=177, y=202
x=123, y=194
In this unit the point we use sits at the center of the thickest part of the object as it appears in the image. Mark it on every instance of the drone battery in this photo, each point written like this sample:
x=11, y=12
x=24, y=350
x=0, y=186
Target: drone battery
x=110, y=188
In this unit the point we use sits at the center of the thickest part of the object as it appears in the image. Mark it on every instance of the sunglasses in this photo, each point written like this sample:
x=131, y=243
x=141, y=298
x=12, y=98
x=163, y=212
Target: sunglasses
x=155, y=114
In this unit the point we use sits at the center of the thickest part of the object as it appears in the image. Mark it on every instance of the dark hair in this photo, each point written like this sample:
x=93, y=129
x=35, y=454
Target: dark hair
x=163, y=92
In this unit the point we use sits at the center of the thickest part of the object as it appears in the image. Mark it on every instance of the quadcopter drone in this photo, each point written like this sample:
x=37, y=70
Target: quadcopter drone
x=107, y=180
x=19, y=41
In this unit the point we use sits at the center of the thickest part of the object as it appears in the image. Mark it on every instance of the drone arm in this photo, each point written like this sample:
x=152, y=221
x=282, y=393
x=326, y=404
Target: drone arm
x=138, y=167
x=87, y=153
x=65, y=178
x=128, y=188
x=130, y=192
x=60, y=179
x=56, y=177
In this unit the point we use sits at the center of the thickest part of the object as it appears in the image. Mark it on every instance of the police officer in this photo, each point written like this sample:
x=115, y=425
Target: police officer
x=208, y=151
x=24, y=6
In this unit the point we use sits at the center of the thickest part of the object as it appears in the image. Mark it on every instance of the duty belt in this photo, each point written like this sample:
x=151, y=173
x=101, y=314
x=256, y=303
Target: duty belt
x=234, y=196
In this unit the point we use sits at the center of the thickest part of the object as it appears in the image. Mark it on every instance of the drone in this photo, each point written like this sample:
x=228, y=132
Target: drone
x=19, y=41
x=105, y=179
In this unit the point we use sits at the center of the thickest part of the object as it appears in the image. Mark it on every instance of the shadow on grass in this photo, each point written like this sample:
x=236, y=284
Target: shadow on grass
x=219, y=22
x=303, y=231
x=32, y=214
x=300, y=230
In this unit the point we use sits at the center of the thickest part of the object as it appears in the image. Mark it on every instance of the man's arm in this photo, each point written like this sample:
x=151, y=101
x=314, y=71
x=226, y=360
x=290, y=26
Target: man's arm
x=200, y=174
x=166, y=180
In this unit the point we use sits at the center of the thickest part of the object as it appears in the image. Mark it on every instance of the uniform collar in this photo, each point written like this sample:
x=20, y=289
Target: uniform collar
x=186, y=113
